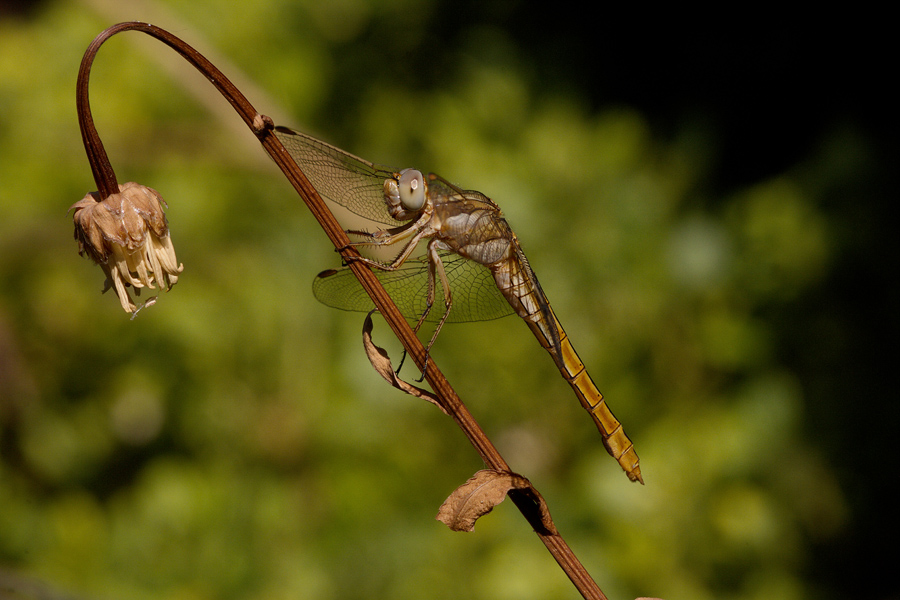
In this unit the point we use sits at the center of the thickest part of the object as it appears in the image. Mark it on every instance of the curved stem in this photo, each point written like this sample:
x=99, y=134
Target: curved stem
x=104, y=176
x=262, y=127
x=100, y=165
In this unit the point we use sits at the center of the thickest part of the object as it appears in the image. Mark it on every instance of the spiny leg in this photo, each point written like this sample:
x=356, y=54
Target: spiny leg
x=429, y=302
x=401, y=258
x=389, y=237
x=435, y=267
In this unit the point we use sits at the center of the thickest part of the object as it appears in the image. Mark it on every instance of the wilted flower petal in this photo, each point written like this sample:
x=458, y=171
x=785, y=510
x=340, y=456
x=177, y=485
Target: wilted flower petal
x=127, y=234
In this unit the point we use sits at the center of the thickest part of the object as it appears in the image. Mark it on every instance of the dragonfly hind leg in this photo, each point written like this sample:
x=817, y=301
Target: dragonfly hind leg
x=436, y=271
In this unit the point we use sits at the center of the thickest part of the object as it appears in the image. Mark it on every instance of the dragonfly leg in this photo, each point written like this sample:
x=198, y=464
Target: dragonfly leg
x=404, y=254
x=402, y=360
x=429, y=302
x=435, y=270
x=434, y=263
x=414, y=231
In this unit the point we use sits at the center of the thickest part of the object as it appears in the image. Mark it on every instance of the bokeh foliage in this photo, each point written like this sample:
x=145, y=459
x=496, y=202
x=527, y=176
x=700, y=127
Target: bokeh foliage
x=232, y=441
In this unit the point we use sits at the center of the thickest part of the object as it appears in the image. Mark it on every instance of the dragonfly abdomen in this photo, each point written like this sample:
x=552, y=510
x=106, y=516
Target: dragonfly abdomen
x=615, y=440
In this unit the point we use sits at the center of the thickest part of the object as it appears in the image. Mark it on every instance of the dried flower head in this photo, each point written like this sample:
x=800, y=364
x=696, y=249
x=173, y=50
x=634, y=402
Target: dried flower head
x=128, y=236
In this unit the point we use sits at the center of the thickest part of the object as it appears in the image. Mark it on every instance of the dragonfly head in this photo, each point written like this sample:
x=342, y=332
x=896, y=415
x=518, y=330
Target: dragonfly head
x=405, y=194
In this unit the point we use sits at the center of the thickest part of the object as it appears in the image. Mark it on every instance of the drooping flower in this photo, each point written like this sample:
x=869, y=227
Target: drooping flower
x=127, y=234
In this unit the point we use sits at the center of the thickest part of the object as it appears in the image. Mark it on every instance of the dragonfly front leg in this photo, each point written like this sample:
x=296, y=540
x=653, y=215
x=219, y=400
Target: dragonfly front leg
x=416, y=230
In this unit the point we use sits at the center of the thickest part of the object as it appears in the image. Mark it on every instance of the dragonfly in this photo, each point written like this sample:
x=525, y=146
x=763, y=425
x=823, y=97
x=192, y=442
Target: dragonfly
x=472, y=261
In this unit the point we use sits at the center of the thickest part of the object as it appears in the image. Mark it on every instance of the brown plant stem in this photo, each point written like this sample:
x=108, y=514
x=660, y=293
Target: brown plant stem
x=262, y=127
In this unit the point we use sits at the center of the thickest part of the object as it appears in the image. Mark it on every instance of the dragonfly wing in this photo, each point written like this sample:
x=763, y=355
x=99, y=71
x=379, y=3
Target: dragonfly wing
x=474, y=293
x=340, y=177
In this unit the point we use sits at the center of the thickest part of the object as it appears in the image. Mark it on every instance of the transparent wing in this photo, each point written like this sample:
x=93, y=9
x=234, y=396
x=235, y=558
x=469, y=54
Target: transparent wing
x=340, y=177
x=475, y=295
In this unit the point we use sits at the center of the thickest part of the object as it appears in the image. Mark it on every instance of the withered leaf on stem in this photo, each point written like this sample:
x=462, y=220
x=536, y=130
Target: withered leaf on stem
x=382, y=363
x=481, y=493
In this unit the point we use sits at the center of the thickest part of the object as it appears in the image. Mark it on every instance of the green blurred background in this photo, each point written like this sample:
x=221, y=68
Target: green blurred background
x=706, y=207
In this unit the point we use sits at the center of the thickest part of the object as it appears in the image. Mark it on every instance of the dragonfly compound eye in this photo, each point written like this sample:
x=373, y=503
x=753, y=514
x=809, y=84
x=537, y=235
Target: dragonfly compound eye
x=412, y=189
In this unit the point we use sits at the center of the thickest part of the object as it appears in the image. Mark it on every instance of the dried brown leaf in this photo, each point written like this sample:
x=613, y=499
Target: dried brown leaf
x=481, y=493
x=382, y=363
